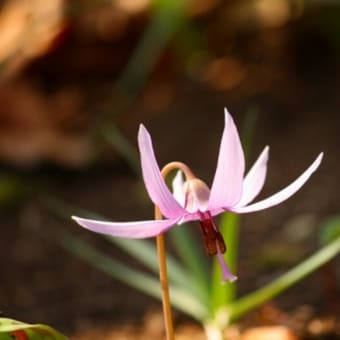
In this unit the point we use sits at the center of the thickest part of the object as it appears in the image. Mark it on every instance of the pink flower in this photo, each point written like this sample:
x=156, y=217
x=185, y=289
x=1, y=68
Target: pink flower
x=193, y=200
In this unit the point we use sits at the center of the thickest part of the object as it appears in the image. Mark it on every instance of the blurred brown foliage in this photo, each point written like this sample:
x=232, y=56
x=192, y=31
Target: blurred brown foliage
x=35, y=125
x=62, y=61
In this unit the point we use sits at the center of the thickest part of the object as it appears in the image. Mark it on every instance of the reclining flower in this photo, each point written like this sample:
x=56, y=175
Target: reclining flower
x=193, y=200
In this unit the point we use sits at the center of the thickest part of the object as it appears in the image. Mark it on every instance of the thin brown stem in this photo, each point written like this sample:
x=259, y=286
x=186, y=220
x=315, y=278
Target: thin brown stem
x=163, y=274
x=179, y=166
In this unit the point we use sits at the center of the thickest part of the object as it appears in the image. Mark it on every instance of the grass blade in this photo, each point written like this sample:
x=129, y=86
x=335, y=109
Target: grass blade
x=145, y=252
x=186, y=247
x=255, y=299
x=222, y=294
x=142, y=250
x=146, y=283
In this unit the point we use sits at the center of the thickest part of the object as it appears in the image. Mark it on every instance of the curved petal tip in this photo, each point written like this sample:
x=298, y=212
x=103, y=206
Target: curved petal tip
x=154, y=182
x=283, y=194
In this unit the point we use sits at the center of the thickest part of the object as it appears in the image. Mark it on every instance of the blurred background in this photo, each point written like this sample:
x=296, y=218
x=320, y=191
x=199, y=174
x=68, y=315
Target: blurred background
x=78, y=77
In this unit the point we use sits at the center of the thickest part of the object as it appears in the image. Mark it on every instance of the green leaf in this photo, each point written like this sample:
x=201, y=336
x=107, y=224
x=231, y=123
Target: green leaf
x=330, y=229
x=167, y=17
x=221, y=294
x=186, y=247
x=181, y=298
x=268, y=292
x=143, y=251
x=184, y=297
x=17, y=330
x=126, y=149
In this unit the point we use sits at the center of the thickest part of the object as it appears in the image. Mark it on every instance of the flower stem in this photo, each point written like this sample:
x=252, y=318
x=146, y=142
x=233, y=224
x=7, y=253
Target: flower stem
x=163, y=277
x=213, y=331
x=163, y=273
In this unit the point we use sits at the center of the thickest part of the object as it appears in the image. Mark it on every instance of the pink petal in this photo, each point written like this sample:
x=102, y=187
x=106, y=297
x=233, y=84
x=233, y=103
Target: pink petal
x=154, y=182
x=226, y=189
x=196, y=216
x=254, y=180
x=284, y=193
x=142, y=229
x=178, y=188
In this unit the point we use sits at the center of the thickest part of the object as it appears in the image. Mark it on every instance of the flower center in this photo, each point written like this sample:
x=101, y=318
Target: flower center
x=196, y=195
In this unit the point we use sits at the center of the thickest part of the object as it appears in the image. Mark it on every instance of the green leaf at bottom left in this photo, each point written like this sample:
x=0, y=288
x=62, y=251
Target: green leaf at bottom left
x=17, y=330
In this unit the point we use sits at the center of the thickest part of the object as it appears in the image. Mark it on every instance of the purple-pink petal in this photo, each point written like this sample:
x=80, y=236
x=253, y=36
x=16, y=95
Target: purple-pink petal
x=178, y=188
x=226, y=189
x=226, y=274
x=284, y=193
x=154, y=182
x=254, y=180
x=141, y=229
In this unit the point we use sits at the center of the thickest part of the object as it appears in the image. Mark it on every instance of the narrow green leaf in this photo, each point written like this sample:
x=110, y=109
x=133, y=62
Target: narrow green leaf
x=188, y=250
x=137, y=279
x=13, y=329
x=117, y=139
x=330, y=229
x=146, y=283
x=142, y=250
x=221, y=294
x=166, y=19
x=145, y=252
x=255, y=299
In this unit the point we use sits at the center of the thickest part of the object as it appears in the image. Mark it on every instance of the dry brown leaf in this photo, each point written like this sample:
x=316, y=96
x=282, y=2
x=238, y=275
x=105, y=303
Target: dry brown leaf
x=28, y=29
x=35, y=127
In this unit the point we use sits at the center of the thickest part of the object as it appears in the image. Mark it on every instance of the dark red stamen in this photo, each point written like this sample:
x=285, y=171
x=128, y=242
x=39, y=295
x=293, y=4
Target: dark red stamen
x=212, y=237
